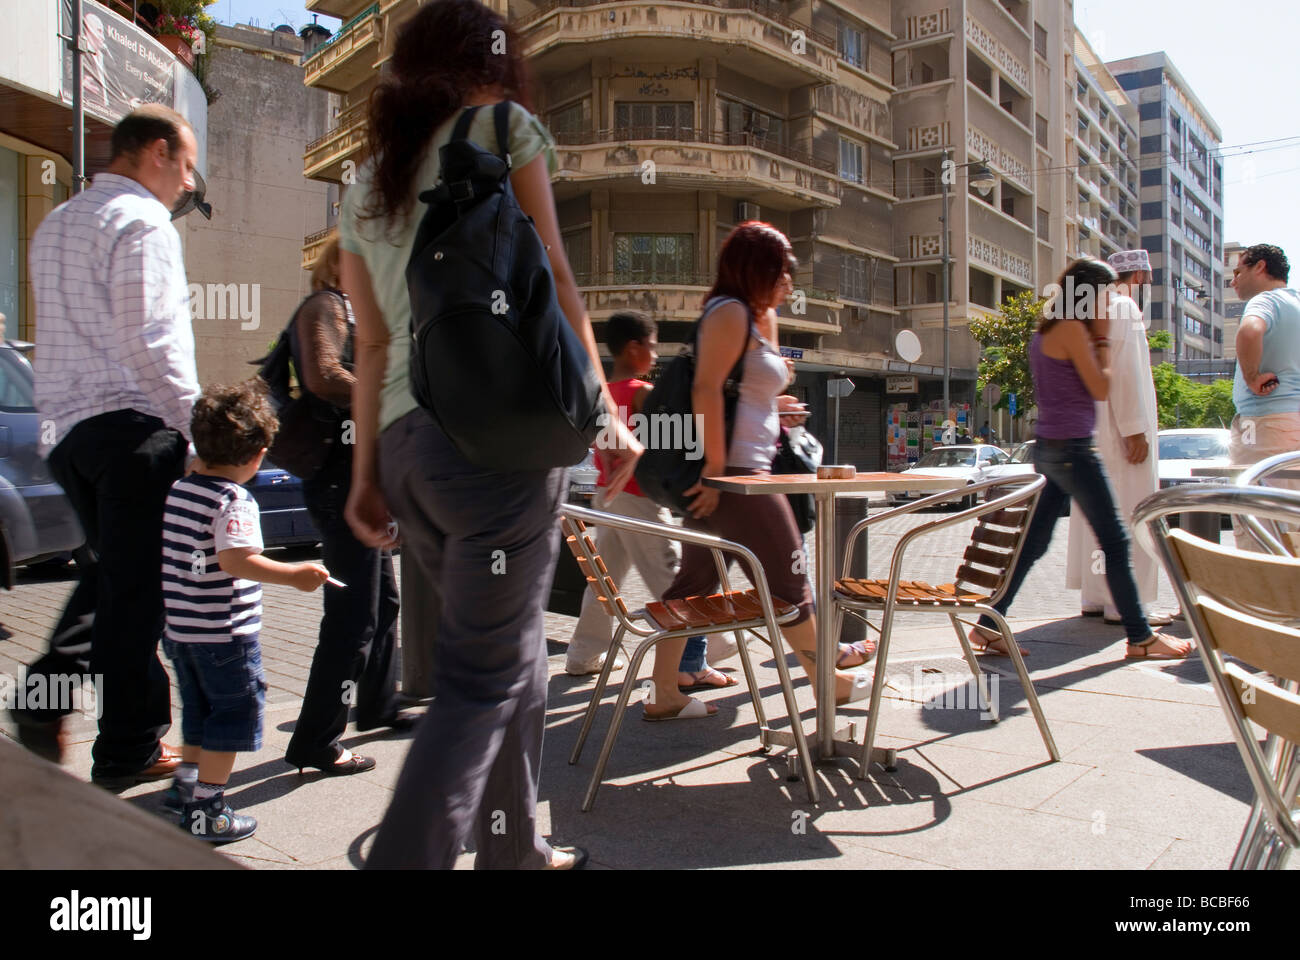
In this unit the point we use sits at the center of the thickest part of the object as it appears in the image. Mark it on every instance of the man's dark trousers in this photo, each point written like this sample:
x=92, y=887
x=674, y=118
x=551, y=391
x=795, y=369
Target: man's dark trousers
x=116, y=469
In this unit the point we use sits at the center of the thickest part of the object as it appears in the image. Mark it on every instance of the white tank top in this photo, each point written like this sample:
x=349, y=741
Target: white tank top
x=757, y=426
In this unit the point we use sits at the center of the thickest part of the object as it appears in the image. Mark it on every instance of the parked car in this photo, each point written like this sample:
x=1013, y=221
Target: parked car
x=1020, y=464
x=971, y=462
x=37, y=521
x=1181, y=451
x=285, y=520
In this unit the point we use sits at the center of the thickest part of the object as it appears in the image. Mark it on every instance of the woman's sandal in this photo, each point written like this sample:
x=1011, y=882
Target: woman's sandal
x=694, y=710
x=984, y=638
x=864, y=649
x=1146, y=654
x=700, y=680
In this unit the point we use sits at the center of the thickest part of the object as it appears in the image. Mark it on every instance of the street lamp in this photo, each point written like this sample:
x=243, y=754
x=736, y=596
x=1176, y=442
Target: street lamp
x=983, y=180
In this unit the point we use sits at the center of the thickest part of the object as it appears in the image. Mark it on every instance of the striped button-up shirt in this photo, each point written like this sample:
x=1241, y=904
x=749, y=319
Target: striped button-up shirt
x=112, y=310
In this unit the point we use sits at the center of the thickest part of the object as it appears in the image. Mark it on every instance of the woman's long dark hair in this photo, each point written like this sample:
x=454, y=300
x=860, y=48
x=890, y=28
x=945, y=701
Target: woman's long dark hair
x=1077, y=293
x=446, y=50
x=750, y=264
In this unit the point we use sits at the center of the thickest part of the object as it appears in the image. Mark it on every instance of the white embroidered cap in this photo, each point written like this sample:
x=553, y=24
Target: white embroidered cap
x=1129, y=261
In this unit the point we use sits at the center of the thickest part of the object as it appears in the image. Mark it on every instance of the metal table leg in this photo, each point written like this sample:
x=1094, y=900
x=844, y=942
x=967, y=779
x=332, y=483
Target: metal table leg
x=826, y=642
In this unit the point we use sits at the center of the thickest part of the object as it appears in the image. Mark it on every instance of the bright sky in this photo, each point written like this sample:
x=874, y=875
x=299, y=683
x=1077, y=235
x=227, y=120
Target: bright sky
x=1243, y=63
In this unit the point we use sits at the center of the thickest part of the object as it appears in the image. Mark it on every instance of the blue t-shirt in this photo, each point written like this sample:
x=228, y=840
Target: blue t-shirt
x=1280, y=310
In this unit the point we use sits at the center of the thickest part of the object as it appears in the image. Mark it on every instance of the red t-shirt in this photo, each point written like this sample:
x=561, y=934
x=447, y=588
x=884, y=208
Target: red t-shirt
x=622, y=391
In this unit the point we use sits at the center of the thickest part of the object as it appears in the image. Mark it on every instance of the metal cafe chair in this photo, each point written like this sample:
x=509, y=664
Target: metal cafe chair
x=1246, y=605
x=982, y=576
x=1268, y=534
x=731, y=611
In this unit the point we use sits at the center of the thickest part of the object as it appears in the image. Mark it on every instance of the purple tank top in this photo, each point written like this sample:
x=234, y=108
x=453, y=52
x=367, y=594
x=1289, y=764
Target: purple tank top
x=1066, y=409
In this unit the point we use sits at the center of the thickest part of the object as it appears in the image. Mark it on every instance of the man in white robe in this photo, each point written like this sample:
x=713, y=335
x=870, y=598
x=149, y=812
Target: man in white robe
x=1126, y=442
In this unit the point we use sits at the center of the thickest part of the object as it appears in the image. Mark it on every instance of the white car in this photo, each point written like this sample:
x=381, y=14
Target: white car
x=971, y=462
x=1019, y=463
x=1181, y=451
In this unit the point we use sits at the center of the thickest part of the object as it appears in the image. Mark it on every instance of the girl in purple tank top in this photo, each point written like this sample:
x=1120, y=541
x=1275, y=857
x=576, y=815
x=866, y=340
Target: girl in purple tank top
x=1069, y=358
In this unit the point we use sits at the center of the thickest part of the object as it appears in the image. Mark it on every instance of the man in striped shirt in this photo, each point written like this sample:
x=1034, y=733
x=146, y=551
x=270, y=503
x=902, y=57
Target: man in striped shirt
x=212, y=576
x=115, y=382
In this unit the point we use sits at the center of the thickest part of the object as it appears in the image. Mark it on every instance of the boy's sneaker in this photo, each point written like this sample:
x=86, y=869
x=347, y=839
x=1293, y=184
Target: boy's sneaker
x=213, y=820
x=177, y=795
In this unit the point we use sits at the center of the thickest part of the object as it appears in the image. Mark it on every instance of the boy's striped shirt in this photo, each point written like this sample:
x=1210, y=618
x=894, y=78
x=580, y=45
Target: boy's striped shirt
x=203, y=516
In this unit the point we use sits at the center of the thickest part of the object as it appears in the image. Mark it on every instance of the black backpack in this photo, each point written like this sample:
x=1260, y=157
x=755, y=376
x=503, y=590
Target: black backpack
x=493, y=359
x=664, y=472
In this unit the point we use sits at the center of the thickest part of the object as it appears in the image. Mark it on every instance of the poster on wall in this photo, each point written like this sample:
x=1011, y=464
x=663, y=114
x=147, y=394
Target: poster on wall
x=122, y=67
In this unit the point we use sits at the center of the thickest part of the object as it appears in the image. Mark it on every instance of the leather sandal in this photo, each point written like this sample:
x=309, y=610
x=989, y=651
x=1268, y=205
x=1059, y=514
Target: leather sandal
x=700, y=680
x=984, y=638
x=866, y=649
x=1145, y=653
x=694, y=710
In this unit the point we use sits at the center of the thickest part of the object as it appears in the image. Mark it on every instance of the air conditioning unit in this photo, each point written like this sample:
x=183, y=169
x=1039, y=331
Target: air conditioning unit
x=747, y=211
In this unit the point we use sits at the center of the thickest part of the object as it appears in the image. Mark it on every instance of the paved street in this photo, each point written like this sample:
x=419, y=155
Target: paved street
x=1148, y=776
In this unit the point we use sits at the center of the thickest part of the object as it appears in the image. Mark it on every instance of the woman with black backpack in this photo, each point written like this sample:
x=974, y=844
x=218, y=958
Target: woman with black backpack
x=490, y=532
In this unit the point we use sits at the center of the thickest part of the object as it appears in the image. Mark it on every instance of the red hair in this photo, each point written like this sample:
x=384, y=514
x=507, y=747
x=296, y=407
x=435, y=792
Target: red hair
x=750, y=264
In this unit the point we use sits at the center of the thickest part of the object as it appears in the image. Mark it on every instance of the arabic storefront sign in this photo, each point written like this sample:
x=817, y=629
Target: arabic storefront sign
x=122, y=67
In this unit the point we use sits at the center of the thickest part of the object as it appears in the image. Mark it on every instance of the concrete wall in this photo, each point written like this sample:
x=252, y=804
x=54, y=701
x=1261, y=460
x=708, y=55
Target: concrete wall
x=262, y=206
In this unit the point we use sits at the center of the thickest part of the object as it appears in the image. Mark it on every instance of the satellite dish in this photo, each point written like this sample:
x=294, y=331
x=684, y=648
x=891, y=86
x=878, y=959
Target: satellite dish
x=908, y=345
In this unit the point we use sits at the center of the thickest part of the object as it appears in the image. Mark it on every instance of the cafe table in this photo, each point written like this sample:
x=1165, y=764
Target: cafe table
x=829, y=742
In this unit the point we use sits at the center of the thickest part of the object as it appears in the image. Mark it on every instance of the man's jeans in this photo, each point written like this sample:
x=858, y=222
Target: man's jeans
x=355, y=658
x=1073, y=469
x=117, y=469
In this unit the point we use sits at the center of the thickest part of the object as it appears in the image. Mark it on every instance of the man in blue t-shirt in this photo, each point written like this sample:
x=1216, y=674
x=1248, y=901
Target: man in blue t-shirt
x=1266, y=390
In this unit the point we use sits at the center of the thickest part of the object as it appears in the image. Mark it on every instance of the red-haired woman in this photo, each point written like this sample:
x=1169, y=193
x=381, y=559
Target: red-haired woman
x=476, y=755
x=755, y=271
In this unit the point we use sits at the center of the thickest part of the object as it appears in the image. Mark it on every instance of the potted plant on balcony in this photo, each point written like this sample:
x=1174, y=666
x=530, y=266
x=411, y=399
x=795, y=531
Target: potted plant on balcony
x=179, y=25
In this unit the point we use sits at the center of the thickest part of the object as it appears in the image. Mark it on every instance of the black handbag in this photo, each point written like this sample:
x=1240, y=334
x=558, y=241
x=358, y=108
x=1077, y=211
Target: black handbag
x=665, y=472
x=310, y=427
x=801, y=455
x=493, y=359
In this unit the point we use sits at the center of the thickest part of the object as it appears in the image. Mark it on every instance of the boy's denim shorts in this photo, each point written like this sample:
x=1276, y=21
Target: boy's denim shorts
x=223, y=693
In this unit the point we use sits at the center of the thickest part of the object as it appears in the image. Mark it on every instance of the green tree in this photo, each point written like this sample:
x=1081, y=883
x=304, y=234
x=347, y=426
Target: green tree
x=1182, y=402
x=1004, y=339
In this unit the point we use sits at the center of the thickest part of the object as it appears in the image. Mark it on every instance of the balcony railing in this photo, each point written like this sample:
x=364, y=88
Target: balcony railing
x=344, y=31
x=764, y=8
x=587, y=136
x=632, y=278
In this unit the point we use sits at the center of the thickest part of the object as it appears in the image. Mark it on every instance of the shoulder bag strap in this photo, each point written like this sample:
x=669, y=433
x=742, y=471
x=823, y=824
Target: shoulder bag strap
x=501, y=118
x=737, y=369
x=459, y=131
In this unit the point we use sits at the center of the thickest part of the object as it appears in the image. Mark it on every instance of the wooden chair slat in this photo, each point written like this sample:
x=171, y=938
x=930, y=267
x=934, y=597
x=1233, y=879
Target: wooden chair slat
x=987, y=558
x=1265, y=646
x=1291, y=541
x=663, y=616
x=963, y=596
x=686, y=613
x=1259, y=582
x=747, y=604
x=1273, y=708
x=995, y=538
x=981, y=578
x=704, y=612
x=1014, y=517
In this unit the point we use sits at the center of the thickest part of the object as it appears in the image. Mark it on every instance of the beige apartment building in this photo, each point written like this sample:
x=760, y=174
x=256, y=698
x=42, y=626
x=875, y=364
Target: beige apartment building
x=1103, y=209
x=677, y=120
x=1233, y=305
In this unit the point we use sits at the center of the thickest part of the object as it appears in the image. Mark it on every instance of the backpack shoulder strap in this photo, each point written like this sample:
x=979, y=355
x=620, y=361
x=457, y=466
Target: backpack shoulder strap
x=459, y=131
x=738, y=368
x=501, y=118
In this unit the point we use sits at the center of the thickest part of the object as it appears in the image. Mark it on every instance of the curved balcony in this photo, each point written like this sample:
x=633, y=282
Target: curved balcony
x=765, y=172
x=343, y=9
x=313, y=245
x=325, y=155
x=348, y=57
x=678, y=298
x=756, y=37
